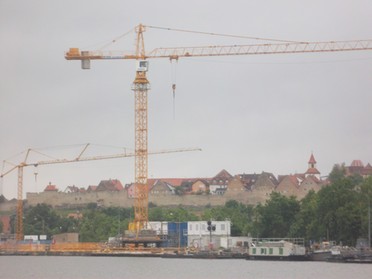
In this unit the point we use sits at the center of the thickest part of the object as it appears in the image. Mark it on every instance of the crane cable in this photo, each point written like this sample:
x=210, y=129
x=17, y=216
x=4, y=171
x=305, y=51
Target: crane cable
x=116, y=39
x=222, y=35
x=174, y=81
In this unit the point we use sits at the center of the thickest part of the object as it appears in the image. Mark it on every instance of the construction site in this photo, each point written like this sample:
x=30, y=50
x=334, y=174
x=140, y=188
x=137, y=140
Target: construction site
x=141, y=237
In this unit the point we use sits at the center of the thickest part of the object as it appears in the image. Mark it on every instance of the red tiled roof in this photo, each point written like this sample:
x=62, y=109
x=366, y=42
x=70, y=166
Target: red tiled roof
x=312, y=171
x=367, y=170
x=110, y=185
x=118, y=185
x=176, y=182
x=51, y=187
x=357, y=163
x=92, y=188
x=314, y=178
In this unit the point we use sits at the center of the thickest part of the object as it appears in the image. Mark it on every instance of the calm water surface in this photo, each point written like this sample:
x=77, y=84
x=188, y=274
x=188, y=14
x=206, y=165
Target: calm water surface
x=153, y=268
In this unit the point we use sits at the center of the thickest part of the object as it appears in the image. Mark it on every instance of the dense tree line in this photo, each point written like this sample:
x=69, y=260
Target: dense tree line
x=337, y=212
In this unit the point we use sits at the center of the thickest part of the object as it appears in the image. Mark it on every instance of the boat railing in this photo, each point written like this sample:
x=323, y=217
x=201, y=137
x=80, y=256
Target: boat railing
x=279, y=242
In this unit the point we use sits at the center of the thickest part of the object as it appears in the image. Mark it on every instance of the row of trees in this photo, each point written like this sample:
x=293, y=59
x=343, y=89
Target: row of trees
x=337, y=212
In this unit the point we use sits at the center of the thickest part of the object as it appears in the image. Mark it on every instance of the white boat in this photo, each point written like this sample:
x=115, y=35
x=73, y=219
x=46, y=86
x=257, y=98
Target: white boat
x=323, y=251
x=282, y=249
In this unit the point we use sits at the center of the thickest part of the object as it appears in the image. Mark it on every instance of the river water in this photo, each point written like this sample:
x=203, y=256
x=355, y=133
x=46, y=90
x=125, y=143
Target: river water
x=153, y=268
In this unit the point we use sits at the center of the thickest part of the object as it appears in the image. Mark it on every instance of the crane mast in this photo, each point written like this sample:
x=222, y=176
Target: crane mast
x=19, y=219
x=140, y=88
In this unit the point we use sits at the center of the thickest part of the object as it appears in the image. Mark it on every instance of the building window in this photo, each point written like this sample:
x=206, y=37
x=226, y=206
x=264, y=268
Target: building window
x=203, y=227
x=223, y=227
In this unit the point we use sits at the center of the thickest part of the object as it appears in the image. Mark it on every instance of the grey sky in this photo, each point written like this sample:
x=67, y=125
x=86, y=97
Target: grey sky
x=248, y=114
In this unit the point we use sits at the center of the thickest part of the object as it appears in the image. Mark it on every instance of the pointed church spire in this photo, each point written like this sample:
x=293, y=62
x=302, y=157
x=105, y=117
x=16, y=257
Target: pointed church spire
x=312, y=161
x=312, y=170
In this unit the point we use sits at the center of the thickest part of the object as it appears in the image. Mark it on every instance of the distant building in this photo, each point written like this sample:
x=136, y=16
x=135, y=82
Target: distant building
x=91, y=188
x=74, y=189
x=300, y=184
x=200, y=186
x=312, y=170
x=219, y=183
x=264, y=181
x=110, y=185
x=162, y=188
x=357, y=167
x=51, y=188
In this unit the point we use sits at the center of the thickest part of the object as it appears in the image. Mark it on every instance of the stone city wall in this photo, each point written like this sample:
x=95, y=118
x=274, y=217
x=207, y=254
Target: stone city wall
x=120, y=199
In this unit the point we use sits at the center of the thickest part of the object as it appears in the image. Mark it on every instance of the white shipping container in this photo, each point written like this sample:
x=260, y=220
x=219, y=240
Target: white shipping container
x=160, y=227
x=223, y=228
x=43, y=237
x=31, y=237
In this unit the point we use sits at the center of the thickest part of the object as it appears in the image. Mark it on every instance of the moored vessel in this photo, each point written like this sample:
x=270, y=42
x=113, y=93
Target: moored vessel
x=277, y=249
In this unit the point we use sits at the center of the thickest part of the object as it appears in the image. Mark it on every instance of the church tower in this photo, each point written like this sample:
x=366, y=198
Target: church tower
x=312, y=170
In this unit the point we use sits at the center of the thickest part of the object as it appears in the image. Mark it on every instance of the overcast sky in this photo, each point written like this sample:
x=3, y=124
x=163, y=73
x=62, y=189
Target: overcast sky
x=248, y=113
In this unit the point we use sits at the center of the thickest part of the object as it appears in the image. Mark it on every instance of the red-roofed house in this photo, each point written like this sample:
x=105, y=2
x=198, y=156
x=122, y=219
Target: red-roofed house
x=357, y=167
x=91, y=188
x=289, y=186
x=200, y=186
x=51, y=188
x=110, y=185
x=367, y=171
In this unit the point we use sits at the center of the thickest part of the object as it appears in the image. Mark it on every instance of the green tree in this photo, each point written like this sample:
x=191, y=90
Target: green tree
x=365, y=198
x=276, y=216
x=339, y=211
x=41, y=220
x=338, y=172
x=96, y=226
x=306, y=222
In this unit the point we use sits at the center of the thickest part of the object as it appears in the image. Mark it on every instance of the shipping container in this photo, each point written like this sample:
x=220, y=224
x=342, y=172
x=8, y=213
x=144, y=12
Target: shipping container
x=177, y=234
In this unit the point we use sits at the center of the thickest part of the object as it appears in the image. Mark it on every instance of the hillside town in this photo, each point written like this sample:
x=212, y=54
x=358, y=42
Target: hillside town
x=249, y=188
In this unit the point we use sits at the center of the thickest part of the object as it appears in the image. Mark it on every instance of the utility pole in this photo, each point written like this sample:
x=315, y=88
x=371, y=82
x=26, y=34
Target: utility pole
x=210, y=229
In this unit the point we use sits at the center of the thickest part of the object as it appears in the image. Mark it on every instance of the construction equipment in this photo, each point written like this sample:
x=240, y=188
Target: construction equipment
x=141, y=85
x=79, y=158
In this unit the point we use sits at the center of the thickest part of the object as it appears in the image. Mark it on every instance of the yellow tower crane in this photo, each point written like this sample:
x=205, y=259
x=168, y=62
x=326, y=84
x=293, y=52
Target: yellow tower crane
x=141, y=86
x=79, y=158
